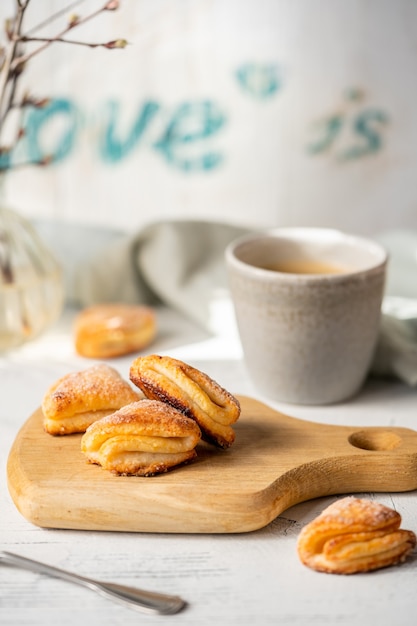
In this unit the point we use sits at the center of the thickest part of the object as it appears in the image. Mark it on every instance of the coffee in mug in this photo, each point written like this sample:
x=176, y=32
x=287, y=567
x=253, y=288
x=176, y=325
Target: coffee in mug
x=295, y=266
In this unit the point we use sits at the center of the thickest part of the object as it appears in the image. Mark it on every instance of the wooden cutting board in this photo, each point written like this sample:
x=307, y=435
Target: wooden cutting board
x=275, y=462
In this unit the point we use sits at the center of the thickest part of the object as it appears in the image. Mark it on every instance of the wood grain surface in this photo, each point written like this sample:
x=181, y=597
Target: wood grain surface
x=275, y=462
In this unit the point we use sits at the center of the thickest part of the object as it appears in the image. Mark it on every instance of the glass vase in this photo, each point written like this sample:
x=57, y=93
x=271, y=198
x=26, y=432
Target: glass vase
x=31, y=286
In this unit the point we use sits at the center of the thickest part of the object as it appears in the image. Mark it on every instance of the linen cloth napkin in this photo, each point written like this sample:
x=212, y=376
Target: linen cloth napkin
x=181, y=264
x=178, y=263
x=396, y=352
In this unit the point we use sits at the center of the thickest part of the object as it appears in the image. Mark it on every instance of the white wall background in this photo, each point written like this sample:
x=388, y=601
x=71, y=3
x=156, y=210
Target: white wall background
x=264, y=112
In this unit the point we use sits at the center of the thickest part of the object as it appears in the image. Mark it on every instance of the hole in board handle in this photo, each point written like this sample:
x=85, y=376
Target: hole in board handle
x=375, y=440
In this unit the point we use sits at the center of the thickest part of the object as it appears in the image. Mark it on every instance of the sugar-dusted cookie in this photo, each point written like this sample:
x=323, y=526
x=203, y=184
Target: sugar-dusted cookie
x=141, y=439
x=354, y=535
x=190, y=391
x=78, y=399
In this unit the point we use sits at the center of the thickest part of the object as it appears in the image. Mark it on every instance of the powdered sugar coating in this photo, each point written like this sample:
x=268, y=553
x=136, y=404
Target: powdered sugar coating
x=350, y=510
x=94, y=389
x=142, y=439
x=148, y=417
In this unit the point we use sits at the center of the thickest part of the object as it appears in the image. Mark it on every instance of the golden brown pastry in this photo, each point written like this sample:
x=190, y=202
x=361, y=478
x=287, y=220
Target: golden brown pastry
x=141, y=439
x=354, y=535
x=80, y=398
x=110, y=330
x=190, y=391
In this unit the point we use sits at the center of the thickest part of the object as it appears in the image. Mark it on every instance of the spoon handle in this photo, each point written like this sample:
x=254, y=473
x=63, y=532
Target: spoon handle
x=147, y=601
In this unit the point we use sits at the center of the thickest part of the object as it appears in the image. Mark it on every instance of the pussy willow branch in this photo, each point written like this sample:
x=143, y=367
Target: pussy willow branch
x=117, y=43
x=54, y=16
x=109, y=6
x=5, y=74
x=14, y=62
x=12, y=67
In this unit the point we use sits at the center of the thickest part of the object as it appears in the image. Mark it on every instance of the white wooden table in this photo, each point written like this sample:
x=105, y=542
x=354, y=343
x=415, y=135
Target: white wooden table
x=241, y=579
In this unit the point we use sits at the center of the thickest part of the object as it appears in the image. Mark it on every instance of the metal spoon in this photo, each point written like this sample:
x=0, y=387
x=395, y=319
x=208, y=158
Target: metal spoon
x=147, y=601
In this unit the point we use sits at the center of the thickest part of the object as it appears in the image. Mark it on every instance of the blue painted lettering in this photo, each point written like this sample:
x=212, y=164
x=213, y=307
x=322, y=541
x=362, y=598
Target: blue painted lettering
x=329, y=130
x=36, y=122
x=114, y=149
x=191, y=123
x=367, y=125
x=259, y=80
x=364, y=125
x=181, y=143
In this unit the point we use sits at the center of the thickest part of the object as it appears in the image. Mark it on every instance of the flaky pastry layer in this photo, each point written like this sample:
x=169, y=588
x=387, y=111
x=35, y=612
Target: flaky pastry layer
x=190, y=391
x=142, y=439
x=78, y=399
x=354, y=535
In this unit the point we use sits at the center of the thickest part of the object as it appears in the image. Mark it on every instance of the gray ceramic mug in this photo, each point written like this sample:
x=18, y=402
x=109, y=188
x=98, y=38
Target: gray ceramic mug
x=308, y=307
